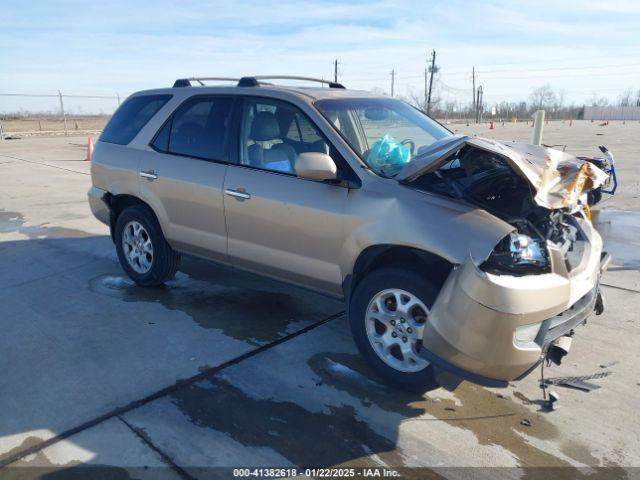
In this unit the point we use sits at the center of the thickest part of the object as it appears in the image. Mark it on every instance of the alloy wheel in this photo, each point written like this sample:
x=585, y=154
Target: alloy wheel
x=395, y=321
x=137, y=247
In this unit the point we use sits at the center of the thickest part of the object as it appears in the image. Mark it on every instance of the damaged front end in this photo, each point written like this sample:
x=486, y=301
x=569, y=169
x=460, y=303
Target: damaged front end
x=496, y=317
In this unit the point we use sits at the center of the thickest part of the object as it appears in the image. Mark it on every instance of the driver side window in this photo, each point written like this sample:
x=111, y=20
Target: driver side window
x=274, y=133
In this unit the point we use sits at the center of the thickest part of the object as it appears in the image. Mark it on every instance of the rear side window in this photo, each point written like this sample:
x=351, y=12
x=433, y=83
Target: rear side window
x=131, y=117
x=197, y=129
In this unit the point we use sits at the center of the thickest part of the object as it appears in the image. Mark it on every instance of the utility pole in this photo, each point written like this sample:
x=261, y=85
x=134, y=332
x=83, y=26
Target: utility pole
x=424, y=105
x=433, y=70
x=393, y=79
x=64, y=115
x=473, y=80
x=335, y=70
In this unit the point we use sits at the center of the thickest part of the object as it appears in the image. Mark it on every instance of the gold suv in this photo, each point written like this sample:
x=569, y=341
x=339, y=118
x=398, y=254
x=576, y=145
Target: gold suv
x=453, y=253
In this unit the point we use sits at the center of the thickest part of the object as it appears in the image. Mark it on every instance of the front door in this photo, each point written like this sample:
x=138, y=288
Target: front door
x=277, y=223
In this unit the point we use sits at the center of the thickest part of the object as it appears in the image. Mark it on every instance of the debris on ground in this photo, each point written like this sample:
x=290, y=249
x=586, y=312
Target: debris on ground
x=581, y=385
x=523, y=398
x=609, y=364
x=553, y=403
x=577, y=382
x=526, y=422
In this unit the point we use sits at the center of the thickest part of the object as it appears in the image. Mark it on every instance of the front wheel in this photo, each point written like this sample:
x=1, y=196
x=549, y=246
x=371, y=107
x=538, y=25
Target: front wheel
x=387, y=314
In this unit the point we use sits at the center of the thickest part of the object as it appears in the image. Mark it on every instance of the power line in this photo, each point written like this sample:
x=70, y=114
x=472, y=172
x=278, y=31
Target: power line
x=44, y=95
x=510, y=71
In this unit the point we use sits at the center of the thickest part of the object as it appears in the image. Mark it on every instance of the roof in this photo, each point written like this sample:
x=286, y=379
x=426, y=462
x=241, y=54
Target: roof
x=304, y=93
x=253, y=85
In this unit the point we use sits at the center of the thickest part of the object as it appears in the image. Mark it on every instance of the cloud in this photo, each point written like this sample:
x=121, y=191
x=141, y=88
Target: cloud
x=104, y=47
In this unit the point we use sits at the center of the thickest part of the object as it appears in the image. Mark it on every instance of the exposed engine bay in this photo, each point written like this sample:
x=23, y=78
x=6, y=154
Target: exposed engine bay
x=485, y=179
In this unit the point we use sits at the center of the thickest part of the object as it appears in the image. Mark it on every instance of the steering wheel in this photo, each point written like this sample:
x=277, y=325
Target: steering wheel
x=411, y=143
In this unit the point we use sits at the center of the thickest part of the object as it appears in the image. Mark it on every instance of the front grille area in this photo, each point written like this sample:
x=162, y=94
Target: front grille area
x=564, y=322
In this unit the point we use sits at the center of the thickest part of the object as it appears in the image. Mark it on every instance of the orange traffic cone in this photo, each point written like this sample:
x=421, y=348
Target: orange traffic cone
x=89, y=150
x=491, y=125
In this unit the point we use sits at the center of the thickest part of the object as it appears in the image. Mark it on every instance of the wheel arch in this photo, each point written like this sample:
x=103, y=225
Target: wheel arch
x=118, y=203
x=383, y=255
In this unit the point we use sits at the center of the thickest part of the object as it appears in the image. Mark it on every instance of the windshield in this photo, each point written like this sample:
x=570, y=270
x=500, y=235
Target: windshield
x=386, y=133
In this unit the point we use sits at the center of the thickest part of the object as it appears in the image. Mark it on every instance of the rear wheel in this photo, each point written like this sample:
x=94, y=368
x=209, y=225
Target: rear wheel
x=143, y=252
x=387, y=314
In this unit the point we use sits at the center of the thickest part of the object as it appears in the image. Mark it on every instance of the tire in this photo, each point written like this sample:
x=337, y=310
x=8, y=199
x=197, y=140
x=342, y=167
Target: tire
x=148, y=269
x=394, y=281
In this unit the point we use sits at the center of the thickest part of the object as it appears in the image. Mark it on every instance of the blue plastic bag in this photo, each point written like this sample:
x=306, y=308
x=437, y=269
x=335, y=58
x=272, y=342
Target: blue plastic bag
x=388, y=156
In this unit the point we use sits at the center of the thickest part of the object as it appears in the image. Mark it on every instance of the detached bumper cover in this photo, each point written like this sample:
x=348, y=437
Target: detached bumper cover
x=471, y=327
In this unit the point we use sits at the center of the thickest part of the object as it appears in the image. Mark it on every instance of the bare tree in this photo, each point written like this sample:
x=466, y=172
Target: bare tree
x=596, y=101
x=417, y=100
x=559, y=103
x=626, y=98
x=542, y=97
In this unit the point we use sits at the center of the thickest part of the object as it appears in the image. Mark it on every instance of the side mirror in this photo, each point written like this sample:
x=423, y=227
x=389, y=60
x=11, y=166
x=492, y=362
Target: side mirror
x=316, y=166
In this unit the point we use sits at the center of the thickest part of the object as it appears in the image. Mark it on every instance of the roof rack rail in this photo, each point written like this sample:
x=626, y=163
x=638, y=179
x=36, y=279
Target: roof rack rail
x=254, y=81
x=186, y=82
x=292, y=77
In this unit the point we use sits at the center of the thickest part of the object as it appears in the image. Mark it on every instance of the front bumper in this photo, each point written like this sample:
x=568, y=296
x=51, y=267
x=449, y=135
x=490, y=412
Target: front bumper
x=472, y=325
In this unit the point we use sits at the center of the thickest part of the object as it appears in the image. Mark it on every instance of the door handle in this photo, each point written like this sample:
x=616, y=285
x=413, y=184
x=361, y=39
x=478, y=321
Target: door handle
x=149, y=175
x=237, y=194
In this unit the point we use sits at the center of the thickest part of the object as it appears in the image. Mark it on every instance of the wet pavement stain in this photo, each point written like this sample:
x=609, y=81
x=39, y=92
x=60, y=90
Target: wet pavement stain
x=350, y=373
x=493, y=419
x=247, y=314
x=620, y=231
x=14, y=222
x=523, y=398
x=306, y=439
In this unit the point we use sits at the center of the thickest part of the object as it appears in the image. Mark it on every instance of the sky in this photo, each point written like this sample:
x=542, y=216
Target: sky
x=578, y=47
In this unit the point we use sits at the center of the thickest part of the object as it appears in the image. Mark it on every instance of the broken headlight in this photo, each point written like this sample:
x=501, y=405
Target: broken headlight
x=518, y=254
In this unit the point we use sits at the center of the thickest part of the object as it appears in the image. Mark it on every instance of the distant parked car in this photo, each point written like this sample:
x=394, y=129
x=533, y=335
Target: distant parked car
x=452, y=252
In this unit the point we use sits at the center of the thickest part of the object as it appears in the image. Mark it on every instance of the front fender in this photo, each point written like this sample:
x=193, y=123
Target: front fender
x=405, y=217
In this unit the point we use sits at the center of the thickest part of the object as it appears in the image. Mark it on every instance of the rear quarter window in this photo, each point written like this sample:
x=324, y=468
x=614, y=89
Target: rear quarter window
x=132, y=115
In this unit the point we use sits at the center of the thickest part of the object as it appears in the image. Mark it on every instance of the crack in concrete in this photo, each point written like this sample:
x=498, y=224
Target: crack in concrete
x=44, y=164
x=625, y=289
x=144, y=438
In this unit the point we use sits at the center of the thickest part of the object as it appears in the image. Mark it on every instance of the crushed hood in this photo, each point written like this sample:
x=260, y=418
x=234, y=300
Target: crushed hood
x=558, y=178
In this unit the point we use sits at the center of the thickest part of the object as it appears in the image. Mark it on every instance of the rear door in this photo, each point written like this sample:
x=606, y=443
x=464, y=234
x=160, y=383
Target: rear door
x=182, y=178
x=279, y=224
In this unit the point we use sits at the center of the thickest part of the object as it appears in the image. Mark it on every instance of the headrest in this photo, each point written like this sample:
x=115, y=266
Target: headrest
x=264, y=127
